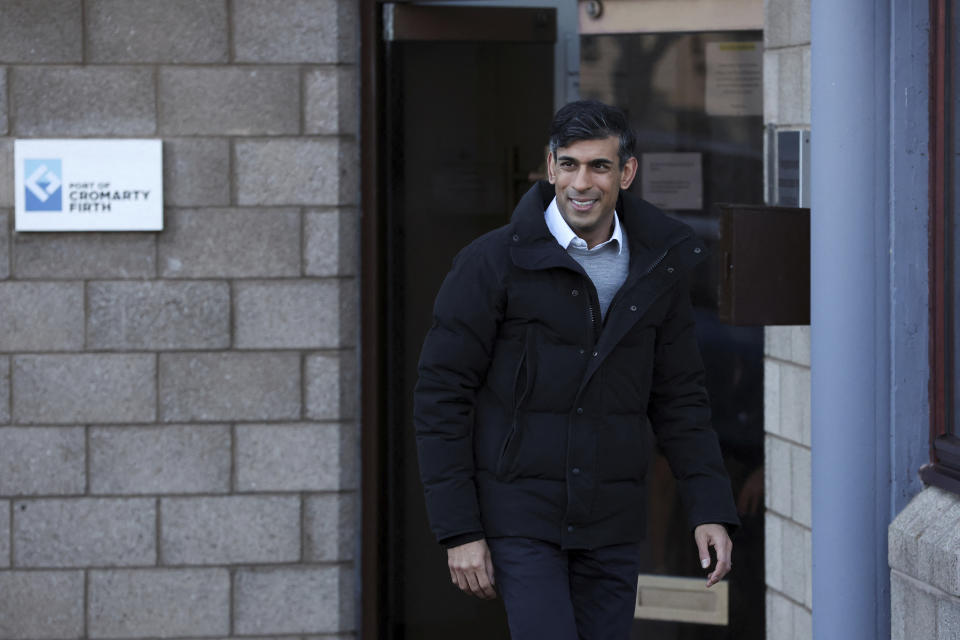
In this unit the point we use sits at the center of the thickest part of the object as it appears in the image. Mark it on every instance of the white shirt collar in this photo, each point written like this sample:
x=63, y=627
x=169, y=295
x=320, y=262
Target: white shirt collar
x=565, y=235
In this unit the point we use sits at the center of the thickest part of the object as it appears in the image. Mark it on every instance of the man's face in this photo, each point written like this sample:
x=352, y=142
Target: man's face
x=587, y=177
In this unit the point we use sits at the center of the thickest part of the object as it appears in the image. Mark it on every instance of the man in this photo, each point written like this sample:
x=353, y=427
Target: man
x=554, y=340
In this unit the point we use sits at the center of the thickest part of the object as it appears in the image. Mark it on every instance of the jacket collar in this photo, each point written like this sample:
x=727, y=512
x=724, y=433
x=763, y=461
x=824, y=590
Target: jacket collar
x=650, y=232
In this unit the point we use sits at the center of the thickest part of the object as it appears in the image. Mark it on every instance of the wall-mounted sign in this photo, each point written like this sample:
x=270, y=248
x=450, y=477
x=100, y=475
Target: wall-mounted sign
x=734, y=79
x=88, y=185
x=672, y=180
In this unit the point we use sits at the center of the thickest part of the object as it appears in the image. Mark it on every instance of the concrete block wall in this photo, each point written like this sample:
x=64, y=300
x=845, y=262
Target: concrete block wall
x=924, y=555
x=178, y=436
x=786, y=105
x=787, y=532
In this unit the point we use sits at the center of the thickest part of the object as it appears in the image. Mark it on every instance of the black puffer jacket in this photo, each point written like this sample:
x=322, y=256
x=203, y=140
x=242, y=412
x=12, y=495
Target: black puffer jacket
x=530, y=413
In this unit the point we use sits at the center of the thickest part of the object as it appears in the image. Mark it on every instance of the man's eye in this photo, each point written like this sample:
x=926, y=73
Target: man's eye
x=566, y=164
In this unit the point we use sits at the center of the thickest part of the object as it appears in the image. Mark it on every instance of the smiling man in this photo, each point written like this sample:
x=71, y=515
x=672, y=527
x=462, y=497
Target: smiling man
x=556, y=339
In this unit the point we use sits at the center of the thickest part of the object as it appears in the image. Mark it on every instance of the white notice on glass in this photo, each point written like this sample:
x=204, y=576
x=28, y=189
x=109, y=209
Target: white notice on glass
x=672, y=180
x=734, y=79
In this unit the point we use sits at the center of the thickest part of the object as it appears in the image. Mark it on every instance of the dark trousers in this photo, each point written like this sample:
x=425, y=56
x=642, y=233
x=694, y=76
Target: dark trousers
x=566, y=595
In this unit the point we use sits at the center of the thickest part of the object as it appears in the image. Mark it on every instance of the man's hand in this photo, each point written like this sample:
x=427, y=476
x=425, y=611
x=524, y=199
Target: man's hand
x=714, y=535
x=471, y=569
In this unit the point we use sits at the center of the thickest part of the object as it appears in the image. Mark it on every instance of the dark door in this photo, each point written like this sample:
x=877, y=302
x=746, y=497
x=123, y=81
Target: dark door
x=469, y=97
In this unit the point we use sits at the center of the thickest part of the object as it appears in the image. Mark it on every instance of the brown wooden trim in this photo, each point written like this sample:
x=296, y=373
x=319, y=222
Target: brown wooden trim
x=938, y=281
x=472, y=24
x=939, y=476
x=948, y=451
x=372, y=389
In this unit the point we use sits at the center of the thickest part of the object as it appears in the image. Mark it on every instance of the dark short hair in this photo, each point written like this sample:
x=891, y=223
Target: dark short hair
x=591, y=120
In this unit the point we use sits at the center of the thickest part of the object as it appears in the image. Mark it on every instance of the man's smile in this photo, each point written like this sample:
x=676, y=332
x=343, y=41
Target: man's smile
x=583, y=205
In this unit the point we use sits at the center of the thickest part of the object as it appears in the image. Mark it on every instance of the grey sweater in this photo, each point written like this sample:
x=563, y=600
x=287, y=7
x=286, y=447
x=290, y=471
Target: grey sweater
x=606, y=268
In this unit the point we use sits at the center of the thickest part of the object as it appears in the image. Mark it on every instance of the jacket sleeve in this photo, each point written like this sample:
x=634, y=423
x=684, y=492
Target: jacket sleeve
x=453, y=364
x=679, y=412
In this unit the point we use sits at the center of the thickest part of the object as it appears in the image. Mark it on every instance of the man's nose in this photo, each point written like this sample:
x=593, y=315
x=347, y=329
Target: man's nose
x=581, y=181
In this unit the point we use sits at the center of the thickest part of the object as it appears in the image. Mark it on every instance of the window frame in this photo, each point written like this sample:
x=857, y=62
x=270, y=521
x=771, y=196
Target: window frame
x=944, y=468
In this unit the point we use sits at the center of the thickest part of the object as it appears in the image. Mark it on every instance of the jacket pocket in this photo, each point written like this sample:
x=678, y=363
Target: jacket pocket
x=522, y=383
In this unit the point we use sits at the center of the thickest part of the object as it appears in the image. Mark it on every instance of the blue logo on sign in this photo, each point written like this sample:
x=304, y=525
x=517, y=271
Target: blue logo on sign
x=43, y=185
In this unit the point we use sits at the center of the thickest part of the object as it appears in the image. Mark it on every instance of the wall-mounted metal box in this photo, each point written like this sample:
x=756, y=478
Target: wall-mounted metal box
x=764, y=255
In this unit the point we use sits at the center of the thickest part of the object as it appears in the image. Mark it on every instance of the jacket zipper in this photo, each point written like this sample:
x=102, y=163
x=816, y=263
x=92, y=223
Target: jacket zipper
x=520, y=395
x=656, y=263
x=593, y=320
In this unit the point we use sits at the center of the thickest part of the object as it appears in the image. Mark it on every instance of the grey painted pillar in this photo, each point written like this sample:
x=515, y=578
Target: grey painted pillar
x=850, y=319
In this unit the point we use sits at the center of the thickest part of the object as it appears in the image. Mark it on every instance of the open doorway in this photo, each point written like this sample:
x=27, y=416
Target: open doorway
x=464, y=115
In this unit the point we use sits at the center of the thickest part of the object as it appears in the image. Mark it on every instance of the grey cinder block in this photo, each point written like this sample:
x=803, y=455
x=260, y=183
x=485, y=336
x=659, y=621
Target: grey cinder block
x=786, y=73
x=4, y=534
x=287, y=314
x=167, y=459
x=773, y=551
x=349, y=311
x=4, y=389
x=196, y=172
x=787, y=23
x=158, y=315
x=174, y=31
x=289, y=457
x=795, y=403
x=6, y=172
x=348, y=31
x=289, y=600
x=778, y=473
x=83, y=255
x=230, y=530
x=42, y=461
x=5, y=221
x=285, y=30
x=948, y=619
x=230, y=243
x=41, y=31
x=229, y=386
x=913, y=611
x=115, y=101
x=82, y=388
x=910, y=527
x=331, y=102
x=38, y=605
x=924, y=540
x=229, y=100
x=796, y=568
x=80, y=532
x=41, y=316
x=330, y=527
x=159, y=603
x=331, y=242
x=289, y=171
x=800, y=485
x=331, y=385
x=3, y=101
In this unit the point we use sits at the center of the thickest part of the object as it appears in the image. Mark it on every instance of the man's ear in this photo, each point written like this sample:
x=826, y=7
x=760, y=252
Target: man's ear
x=551, y=168
x=628, y=173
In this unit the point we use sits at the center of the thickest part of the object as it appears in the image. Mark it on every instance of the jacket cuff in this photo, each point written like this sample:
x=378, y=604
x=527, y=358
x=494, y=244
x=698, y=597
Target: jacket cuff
x=731, y=527
x=463, y=538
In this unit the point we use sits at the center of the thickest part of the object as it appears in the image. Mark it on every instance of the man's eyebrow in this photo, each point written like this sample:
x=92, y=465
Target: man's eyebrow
x=591, y=161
